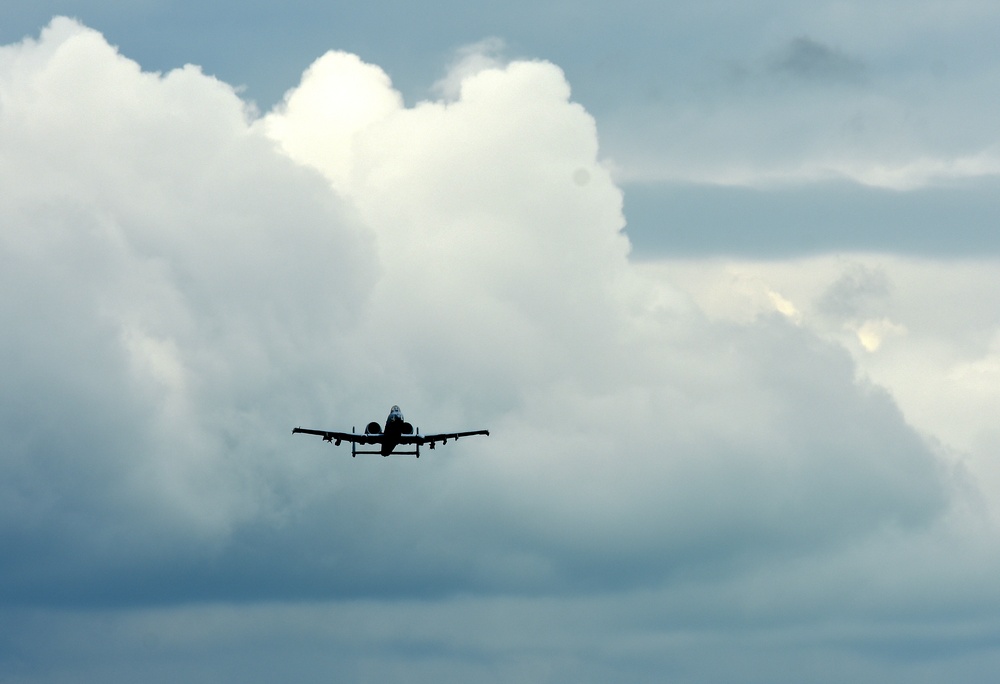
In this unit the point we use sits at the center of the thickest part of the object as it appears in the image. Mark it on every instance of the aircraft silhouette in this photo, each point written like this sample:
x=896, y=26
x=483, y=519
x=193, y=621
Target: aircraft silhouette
x=397, y=432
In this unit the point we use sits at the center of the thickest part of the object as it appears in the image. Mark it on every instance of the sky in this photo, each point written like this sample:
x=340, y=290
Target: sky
x=718, y=277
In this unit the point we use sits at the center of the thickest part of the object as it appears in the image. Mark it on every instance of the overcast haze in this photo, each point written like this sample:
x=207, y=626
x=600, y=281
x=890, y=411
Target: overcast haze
x=721, y=279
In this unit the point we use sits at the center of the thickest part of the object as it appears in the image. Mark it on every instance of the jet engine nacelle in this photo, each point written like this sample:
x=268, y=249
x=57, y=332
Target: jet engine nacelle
x=373, y=429
x=407, y=429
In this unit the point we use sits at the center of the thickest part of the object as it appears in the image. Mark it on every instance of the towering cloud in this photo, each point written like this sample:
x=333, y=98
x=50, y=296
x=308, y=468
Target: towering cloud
x=162, y=265
x=499, y=233
x=183, y=291
x=182, y=282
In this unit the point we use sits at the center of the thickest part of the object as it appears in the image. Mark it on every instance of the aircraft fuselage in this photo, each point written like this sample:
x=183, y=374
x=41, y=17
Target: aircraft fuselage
x=394, y=426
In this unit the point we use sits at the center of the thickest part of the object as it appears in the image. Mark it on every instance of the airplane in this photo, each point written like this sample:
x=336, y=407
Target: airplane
x=397, y=431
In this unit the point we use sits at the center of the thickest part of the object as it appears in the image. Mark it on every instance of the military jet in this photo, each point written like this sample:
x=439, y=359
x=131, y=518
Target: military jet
x=397, y=432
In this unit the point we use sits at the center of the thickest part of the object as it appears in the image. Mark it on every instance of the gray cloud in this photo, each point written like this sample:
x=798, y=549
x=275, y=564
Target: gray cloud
x=808, y=60
x=197, y=311
x=691, y=219
x=854, y=292
x=186, y=282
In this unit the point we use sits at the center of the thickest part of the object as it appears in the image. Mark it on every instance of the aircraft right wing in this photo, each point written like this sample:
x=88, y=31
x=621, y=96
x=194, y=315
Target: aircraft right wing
x=338, y=437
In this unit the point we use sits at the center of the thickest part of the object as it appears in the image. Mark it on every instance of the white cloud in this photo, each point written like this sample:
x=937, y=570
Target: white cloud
x=872, y=333
x=141, y=216
x=184, y=284
x=476, y=209
x=922, y=328
x=344, y=96
x=470, y=60
x=491, y=249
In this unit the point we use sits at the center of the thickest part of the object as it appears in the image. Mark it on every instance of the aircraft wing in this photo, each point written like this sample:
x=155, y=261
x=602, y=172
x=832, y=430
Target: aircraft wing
x=440, y=437
x=338, y=437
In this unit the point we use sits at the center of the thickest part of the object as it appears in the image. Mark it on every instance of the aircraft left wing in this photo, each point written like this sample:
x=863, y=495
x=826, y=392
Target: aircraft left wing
x=440, y=437
x=338, y=437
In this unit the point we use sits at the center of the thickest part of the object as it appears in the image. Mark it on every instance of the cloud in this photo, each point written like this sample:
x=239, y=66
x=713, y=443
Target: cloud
x=140, y=215
x=799, y=112
x=673, y=220
x=808, y=60
x=185, y=281
x=470, y=60
x=477, y=273
x=928, y=320
x=853, y=291
x=519, y=237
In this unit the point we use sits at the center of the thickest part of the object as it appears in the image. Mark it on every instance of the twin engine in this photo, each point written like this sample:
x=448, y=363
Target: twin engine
x=374, y=428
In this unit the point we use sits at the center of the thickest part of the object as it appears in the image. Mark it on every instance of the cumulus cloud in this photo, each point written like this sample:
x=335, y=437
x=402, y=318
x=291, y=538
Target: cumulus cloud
x=470, y=60
x=184, y=282
x=152, y=244
x=921, y=328
x=497, y=216
x=196, y=280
